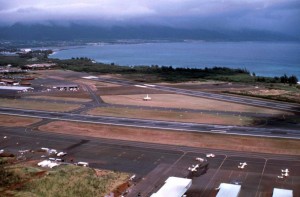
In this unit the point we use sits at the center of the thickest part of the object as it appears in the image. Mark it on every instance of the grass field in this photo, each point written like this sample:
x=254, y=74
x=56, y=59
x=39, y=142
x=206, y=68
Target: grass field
x=37, y=105
x=182, y=101
x=16, y=121
x=203, y=140
x=64, y=181
x=172, y=116
x=59, y=98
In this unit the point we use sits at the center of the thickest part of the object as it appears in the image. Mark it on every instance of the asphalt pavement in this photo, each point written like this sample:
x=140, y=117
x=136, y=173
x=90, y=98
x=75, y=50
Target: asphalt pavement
x=156, y=124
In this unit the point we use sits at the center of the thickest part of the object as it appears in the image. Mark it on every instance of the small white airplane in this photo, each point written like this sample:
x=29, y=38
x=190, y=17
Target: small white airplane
x=61, y=154
x=200, y=159
x=285, y=170
x=193, y=168
x=242, y=165
x=210, y=155
x=132, y=177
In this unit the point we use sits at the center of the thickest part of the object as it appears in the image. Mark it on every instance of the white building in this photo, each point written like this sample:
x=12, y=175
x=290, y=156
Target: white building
x=282, y=193
x=174, y=186
x=26, y=50
x=226, y=189
x=16, y=88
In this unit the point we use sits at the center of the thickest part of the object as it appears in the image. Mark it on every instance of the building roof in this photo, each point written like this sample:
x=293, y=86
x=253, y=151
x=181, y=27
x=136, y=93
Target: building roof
x=17, y=88
x=282, y=192
x=90, y=77
x=174, y=186
x=227, y=189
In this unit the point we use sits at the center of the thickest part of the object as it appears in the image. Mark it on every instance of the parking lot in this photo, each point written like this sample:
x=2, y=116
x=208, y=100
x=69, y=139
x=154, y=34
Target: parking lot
x=154, y=163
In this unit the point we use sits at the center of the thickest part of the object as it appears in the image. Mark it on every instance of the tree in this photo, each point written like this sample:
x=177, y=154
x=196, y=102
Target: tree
x=293, y=79
x=284, y=79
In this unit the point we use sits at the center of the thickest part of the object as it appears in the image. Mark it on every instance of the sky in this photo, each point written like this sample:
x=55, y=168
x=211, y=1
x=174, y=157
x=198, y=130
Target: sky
x=273, y=15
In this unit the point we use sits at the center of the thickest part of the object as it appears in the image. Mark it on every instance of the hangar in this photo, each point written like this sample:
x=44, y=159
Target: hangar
x=282, y=193
x=226, y=189
x=174, y=186
x=16, y=88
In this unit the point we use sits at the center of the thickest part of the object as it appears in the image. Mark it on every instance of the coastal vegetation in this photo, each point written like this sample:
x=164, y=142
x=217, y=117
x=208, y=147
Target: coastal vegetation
x=144, y=73
x=155, y=73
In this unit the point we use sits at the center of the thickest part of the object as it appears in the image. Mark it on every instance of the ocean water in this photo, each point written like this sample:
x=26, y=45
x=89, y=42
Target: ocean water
x=263, y=58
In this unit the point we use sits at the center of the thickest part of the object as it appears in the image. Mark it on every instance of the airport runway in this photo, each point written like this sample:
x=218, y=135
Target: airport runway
x=221, y=97
x=155, y=124
x=153, y=163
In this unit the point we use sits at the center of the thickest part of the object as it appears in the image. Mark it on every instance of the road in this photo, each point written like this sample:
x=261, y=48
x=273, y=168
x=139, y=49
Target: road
x=222, y=97
x=155, y=124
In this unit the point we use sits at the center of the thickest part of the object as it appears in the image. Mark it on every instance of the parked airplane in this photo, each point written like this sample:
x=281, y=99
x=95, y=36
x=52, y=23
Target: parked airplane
x=200, y=159
x=193, y=168
x=242, y=165
x=210, y=155
x=285, y=174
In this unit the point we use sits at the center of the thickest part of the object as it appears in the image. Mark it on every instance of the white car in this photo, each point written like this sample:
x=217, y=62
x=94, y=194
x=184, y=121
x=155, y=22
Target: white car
x=210, y=155
x=81, y=163
x=61, y=154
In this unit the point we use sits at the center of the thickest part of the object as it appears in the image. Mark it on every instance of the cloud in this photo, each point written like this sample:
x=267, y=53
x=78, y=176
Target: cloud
x=265, y=14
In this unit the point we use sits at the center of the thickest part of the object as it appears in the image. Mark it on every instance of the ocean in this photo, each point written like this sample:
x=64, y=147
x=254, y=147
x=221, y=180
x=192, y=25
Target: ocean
x=263, y=58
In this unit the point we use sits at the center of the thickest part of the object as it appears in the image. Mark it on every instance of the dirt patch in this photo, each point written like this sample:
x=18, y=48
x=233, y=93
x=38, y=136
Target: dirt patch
x=185, y=102
x=172, y=116
x=16, y=121
x=38, y=105
x=215, y=141
x=60, y=98
x=59, y=74
x=126, y=90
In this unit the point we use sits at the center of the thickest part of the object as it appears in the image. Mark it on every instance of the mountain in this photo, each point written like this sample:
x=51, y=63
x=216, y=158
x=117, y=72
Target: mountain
x=39, y=32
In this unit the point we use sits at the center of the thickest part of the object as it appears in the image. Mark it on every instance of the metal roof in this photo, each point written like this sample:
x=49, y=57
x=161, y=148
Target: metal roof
x=227, y=189
x=17, y=88
x=282, y=192
x=174, y=186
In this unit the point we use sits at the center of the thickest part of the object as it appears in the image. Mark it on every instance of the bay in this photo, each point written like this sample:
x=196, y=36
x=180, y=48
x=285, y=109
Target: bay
x=263, y=58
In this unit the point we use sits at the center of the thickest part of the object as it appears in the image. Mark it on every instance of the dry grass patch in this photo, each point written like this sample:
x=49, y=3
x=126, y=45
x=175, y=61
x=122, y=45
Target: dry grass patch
x=66, y=180
x=172, y=116
x=215, y=141
x=61, y=98
x=16, y=121
x=38, y=105
x=182, y=101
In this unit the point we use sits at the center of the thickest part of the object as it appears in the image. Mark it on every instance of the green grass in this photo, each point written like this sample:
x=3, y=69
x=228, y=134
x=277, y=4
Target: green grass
x=72, y=181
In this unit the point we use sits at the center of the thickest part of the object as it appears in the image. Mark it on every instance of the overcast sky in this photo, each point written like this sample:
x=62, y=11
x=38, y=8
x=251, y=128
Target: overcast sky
x=276, y=15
